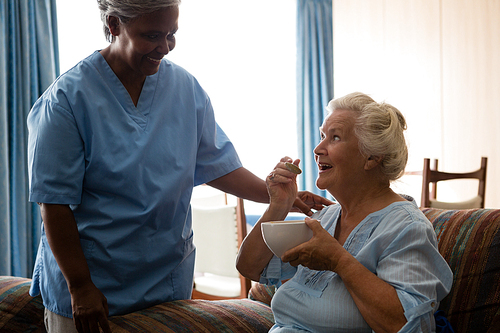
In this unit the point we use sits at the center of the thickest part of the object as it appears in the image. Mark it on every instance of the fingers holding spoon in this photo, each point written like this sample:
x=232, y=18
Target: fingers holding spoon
x=293, y=168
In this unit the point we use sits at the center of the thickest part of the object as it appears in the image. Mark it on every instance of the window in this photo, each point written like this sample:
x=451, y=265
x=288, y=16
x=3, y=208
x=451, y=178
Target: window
x=243, y=53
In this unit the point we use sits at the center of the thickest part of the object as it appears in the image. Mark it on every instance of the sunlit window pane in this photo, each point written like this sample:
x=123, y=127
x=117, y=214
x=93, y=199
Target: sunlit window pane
x=243, y=54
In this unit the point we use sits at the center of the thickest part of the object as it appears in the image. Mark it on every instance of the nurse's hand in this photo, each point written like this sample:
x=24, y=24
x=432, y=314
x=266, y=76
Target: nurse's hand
x=306, y=201
x=90, y=309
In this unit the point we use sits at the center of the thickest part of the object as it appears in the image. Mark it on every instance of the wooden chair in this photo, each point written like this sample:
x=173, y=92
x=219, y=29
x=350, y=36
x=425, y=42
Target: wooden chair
x=219, y=229
x=431, y=176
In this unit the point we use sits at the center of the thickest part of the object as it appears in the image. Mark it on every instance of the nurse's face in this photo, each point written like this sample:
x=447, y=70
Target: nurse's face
x=143, y=42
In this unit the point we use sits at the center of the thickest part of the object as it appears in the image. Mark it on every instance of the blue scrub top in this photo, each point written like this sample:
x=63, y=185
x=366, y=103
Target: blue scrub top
x=127, y=173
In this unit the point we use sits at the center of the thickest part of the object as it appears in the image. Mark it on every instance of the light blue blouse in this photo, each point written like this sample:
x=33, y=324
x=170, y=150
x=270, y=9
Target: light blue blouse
x=127, y=173
x=397, y=243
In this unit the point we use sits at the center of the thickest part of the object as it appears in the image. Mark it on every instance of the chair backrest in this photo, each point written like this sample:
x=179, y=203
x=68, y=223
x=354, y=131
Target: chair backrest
x=215, y=237
x=219, y=229
x=207, y=196
x=431, y=176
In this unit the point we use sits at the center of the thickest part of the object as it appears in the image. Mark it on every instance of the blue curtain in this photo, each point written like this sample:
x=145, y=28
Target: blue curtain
x=28, y=65
x=314, y=81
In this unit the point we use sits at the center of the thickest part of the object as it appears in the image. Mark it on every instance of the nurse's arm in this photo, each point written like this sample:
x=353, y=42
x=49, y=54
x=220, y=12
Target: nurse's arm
x=244, y=184
x=89, y=305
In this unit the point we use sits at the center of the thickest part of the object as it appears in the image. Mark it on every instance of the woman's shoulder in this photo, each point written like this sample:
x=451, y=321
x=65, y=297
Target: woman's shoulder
x=403, y=214
x=173, y=70
x=91, y=63
x=180, y=79
x=73, y=80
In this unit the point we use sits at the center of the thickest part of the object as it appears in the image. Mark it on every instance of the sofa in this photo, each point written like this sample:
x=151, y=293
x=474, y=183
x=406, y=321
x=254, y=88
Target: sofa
x=468, y=239
x=20, y=312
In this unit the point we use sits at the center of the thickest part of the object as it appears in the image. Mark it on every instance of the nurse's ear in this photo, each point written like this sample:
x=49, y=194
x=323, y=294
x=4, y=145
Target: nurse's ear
x=114, y=25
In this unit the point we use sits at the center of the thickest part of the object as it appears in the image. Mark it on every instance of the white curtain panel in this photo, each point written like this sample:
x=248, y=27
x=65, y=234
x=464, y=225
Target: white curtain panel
x=439, y=63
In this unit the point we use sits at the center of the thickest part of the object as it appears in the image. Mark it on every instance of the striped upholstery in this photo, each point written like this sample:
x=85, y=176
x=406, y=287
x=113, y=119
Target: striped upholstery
x=20, y=312
x=197, y=316
x=469, y=240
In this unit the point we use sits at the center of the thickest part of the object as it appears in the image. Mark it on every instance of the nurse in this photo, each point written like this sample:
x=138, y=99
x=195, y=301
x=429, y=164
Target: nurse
x=116, y=145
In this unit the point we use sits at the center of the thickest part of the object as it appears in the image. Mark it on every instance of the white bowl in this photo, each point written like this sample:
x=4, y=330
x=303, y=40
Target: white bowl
x=281, y=236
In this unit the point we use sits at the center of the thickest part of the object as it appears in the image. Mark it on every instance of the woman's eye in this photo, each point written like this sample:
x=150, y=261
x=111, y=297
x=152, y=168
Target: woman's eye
x=336, y=138
x=152, y=36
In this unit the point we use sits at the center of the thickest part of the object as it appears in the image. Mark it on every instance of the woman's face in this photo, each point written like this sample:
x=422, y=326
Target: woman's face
x=337, y=155
x=142, y=42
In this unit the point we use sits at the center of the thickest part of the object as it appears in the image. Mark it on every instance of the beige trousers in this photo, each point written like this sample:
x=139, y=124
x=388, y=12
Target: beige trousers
x=55, y=323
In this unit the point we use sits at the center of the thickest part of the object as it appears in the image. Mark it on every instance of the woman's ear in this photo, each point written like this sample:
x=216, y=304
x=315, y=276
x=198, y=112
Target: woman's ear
x=372, y=161
x=114, y=25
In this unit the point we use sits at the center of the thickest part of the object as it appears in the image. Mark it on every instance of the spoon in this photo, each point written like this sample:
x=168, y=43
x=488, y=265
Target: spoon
x=293, y=168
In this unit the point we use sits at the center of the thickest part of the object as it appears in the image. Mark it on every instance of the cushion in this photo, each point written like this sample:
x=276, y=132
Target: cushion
x=241, y=315
x=469, y=240
x=19, y=312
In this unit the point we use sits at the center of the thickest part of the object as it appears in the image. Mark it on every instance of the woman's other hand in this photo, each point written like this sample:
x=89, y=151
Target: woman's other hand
x=321, y=252
x=90, y=309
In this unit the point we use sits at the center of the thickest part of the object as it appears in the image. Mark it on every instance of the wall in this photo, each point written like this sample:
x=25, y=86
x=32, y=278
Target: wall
x=439, y=63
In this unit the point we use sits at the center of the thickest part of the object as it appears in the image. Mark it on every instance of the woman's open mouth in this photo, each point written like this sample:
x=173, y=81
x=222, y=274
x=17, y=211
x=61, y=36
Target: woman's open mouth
x=323, y=166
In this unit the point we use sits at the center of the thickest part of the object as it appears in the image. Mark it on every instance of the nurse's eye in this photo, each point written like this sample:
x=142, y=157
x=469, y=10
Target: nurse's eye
x=171, y=36
x=151, y=36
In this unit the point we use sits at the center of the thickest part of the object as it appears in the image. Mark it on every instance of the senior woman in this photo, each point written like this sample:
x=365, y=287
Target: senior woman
x=116, y=145
x=373, y=262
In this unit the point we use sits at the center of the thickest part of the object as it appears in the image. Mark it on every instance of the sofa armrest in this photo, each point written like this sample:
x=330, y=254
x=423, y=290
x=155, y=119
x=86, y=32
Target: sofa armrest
x=238, y=315
x=469, y=240
x=20, y=312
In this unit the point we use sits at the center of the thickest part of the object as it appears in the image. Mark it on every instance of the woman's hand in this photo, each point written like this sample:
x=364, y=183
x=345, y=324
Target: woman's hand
x=90, y=309
x=254, y=255
x=377, y=300
x=89, y=305
x=282, y=185
x=321, y=252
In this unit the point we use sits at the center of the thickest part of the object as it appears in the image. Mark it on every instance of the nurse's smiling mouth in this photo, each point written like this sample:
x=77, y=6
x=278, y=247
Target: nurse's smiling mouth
x=153, y=60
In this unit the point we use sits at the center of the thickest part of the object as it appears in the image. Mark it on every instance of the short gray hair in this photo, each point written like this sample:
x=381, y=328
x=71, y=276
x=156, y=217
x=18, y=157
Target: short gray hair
x=380, y=130
x=127, y=10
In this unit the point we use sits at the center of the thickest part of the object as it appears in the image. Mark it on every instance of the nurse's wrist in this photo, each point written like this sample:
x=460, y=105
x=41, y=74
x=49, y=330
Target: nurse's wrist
x=79, y=281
